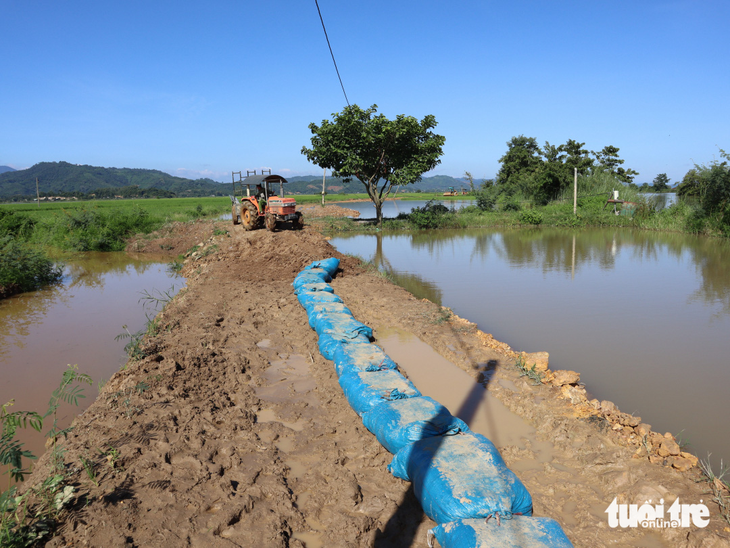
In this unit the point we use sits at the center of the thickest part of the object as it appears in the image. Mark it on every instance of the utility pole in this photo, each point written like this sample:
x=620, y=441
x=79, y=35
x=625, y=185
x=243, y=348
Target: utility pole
x=575, y=190
x=37, y=193
x=324, y=173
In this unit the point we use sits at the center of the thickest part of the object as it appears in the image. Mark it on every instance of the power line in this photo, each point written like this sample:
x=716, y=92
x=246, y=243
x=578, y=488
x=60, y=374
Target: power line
x=331, y=53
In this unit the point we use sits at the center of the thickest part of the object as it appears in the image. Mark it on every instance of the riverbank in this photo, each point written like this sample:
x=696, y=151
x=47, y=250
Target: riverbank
x=232, y=429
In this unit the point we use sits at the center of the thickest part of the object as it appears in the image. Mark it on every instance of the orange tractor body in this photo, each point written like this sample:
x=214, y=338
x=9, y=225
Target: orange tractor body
x=261, y=206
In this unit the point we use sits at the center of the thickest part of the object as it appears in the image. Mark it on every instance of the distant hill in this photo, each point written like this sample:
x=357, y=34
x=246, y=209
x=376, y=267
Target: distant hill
x=65, y=179
x=56, y=178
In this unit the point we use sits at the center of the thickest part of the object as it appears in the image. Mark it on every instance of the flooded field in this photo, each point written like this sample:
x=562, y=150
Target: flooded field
x=643, y=317
x=76, y=322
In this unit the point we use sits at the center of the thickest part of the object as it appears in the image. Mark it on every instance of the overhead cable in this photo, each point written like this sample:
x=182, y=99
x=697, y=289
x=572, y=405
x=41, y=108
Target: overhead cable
x=331, y=53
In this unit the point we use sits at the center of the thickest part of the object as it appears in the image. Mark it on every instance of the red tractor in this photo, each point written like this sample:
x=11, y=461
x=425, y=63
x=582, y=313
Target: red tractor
x=261, y=206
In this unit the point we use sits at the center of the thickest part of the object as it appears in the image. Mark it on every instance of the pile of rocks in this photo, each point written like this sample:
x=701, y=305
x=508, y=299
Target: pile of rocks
x=659, y=449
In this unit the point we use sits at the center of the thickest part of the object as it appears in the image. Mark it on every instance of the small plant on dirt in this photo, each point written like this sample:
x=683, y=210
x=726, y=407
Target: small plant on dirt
x=30, y=518
x=219, y=232
x=531, y=372
x=88, y=465
x=719, y=487
x=443, y=315
x=112, y=456
x=134, y=348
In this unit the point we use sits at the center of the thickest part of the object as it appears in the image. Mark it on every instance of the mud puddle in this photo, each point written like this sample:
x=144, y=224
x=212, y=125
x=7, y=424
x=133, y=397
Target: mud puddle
x=575, y=495
x=437, y=377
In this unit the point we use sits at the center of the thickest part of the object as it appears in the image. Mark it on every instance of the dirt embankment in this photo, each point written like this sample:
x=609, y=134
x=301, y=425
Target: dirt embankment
x=233, y=430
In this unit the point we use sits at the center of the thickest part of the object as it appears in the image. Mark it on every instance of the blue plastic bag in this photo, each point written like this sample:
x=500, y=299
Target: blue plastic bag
x=342, y=325
x=461, y=476
x=364, y=390
x=317, y=275
x=330, y=265
x=308, y=298
x=316, y=309
x=361, y=357
x=518, y=532
x=314, y=288
x=398, y=423
x=329, y=343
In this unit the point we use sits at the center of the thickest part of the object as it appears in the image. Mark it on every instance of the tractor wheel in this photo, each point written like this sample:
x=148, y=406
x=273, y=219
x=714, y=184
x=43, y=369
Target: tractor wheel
x=270, y=221
x=249, y=216
x=236, y=217
x=298, y=223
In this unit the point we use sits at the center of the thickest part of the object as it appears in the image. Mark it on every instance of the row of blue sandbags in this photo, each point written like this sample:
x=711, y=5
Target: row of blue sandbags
x=458, y=475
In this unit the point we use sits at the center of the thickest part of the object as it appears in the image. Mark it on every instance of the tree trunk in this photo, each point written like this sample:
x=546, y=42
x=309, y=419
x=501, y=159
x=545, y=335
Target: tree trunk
x=379, y=213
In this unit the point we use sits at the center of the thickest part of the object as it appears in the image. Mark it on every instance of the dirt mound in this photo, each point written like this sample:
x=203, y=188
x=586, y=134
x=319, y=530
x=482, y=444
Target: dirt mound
x=233, y=430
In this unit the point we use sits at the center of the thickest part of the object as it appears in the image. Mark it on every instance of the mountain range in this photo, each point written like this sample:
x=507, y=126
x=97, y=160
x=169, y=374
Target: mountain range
x=63, y=178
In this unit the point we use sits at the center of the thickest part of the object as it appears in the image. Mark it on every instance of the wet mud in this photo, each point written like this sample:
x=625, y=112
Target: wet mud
x=240, y=434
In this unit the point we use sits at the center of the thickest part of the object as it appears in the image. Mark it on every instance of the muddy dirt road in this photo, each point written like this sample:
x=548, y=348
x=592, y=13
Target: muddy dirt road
x=233, y=430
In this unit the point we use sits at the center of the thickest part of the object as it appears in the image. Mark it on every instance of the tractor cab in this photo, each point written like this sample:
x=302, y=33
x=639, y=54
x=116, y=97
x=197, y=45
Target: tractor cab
x=262, y=204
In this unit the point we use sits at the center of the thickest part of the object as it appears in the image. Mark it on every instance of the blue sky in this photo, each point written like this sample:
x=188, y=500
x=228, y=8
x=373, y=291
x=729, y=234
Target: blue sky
x=202, y=90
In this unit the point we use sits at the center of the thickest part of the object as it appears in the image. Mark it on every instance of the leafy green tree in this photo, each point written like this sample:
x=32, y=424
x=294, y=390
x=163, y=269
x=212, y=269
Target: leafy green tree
x=609, y=160
x=523, y=157
x=690, y=185
x=715, y=186
x=661, y=182
x=577, y=157
x=377, y=151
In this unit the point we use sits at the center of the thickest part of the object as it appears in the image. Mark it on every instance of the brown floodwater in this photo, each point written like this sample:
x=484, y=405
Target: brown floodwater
x=643, y=317
x=75, y=322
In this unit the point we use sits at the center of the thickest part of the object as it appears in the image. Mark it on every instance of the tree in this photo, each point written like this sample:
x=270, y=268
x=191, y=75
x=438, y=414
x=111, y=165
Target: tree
x=690, y=185
x=608, y=160
x=522, y=158
x=377, y=151
x=660, y=182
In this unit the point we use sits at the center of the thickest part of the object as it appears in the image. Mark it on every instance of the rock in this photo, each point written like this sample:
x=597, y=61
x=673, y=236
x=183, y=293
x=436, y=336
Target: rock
x=681, y=464
x=566, y=377
x=629, y=420
x=690, y=457
x=668, y=448
x=608, y=407
x=643, y=429
x=576, y=394
x=538, y=359
x=654, y=459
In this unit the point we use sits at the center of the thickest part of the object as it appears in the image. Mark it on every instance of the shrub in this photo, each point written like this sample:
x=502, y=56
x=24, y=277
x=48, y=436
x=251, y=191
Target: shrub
x=23, y=268
x=486, y=200
x=429, y=216
x=531, y=217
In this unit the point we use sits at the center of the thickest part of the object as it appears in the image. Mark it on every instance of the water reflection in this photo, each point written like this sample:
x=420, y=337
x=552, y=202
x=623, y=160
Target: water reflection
x=414, y=283
x=642, y=316
x=74, y=322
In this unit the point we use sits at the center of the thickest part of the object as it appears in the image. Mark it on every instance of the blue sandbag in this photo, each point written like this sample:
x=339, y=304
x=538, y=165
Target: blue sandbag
x=398, y=423
x=329, y=343
x=330, y=265
x=308, y=298
x=461, y=476
x=361, y=357
x=341, y=324
x=519, y=532
x=311, y=276
x=316, y=309
x=364, y=390
x=314, y=288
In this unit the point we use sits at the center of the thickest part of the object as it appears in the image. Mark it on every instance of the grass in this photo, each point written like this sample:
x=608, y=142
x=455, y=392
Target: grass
x=719, y=487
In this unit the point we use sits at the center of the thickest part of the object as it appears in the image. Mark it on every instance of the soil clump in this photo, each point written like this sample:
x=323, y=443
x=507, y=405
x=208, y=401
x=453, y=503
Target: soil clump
x=233, y=430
